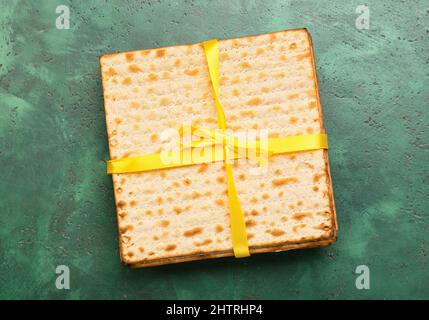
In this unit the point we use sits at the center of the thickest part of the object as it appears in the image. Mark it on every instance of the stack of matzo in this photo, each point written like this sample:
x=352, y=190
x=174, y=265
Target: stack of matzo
x=180, y=214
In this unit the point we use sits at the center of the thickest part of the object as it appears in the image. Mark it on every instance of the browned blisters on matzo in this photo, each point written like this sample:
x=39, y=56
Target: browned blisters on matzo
x=293, y=96
x=251, y=223
x=160, y=53
x=187, y=182
x=220, y=179
x=259, y=51
x=253, y=200
x=315, y=188
x=223, y=56
x=254, y=212
x=235, y=80
x=235, y=92
x=193, y=232
x=177, y=62
x=152, y=77
x=125, y=239
x=210, y=120
x=121, y=204
x=159, y=200
x=178, y=210
x=254, y=101
x=279, y=75
x=164, y=223
x=123, y=214
x=218, y=228
x=135, y=104
x=244, y=65
x=194, y=195
x=113, y=143
x=292, y=46
x=129, y=56
x=134, y=68
x=192, y=72
x=317, y=177
x=111, y=72
x=322, y=226
x=265, y=196
x=301, y=215
x=141, y=249
x=202, y=243
x=265, y=89
x=130, y=254
x=170, y=247
x=284, y=181
x=126, y=228
x=302, y=56
x=242, y=176
x=283, y=57
x=322, y=213
x=133, y=203
x=312, y=105
x=247, y=113
x=298, y=227
x=119, y=190
x=220, y=202
x=275, y=232
x=262, y=75
x=293, y=120
x=284, y=218
x=309, y=130
x=223, y=79
x=154, y=137
x=203, y=168
x=164, y=101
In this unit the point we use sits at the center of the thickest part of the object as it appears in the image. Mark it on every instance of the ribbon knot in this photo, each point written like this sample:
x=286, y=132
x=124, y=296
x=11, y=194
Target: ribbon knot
x=237, y=147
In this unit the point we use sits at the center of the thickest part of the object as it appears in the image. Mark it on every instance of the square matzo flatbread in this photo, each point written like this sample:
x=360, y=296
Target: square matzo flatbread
x=172, y=215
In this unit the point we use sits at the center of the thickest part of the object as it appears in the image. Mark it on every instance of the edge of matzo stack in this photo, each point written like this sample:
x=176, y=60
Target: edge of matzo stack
x=173, y=215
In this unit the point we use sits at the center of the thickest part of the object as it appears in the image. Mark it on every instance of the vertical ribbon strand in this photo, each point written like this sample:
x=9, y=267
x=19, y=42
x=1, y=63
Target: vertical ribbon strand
x=238, y=226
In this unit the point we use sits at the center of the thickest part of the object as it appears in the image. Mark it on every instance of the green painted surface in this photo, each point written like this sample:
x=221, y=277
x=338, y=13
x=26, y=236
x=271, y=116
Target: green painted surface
x=56, y=202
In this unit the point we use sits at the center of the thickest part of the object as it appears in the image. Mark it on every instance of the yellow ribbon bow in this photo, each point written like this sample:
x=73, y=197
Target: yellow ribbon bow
x=211, y=138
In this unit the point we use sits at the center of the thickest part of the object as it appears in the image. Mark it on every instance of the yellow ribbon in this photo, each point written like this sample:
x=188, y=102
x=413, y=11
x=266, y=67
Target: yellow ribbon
x=231, y=147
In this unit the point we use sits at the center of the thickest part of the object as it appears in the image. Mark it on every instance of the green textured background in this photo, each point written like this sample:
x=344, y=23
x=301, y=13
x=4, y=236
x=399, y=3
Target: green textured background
x=56, y=202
